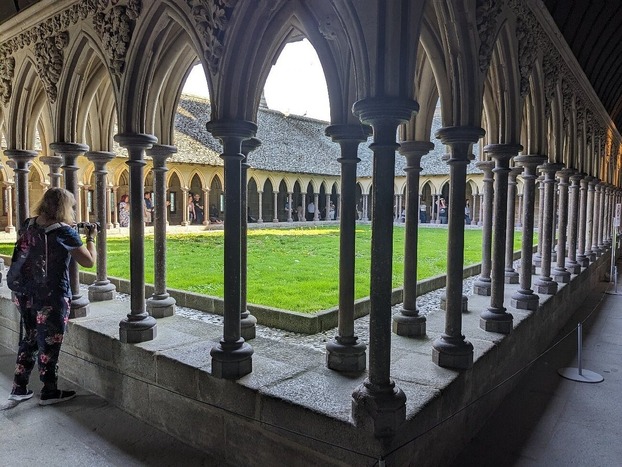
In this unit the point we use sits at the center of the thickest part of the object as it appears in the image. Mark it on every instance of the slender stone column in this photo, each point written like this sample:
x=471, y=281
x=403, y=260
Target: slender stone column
x=480, y=216
x=524, y=298
x=483, y=284
x=608, y=216
x=327, y=204
x=260, y=214
x=520, y=211
x=69, y=153
x=115, y=208
x=366, y=207
x=545, y=283
x=560, y=273
x=138, y=326
x=596, y=219
x=582, y=259
x=496, y=318
x=572, y=265
x=289, y=207
x=511, y=276
x=316, y=201
x=602, y=186
x=54, y=163
x=160, y=304
x=591, y=244
x=84, y=190
x=102, y=289
x=275, y=203
x=303, y=202
x=248, y=323
x=344, y=352
x=109, y=209
x=206, y=206
x=21, y=159
x=10, y=228
x=185, y=215
x=378, y=397
x=537, y=257
x=232, y=357
x=408, y=321
x=451, y=349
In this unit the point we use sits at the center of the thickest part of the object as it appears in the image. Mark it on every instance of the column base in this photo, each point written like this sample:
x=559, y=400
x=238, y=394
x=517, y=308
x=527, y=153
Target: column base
x=511, y=277
x=101, y=291
x=451, y=352
x=409, y=324
x=465, y=303
x=545, y=285
x=161, y=306
x=232, y=361
x=583, y=261
x=573, y=267
x=496, y=320
x=9, y=229
x=134, y=331
x=380, y=410
x=482, y=286
x=248, y=327
x=525, y=300
x=561, y=276
x=79, y=307
x=537, y=260
x=347, y=357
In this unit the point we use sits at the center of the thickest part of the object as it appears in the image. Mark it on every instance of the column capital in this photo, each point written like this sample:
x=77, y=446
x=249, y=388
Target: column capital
x=353, y=132
x=577, y=177
x=486, y=167
x=564, y=175
x=100, y=158
x=530, y=161
x=232, y=129
x=159, y=153
x=52, y=161
x=68, y=149
x=20, y=157
x=376, y=110
x=514, y=172
x=413, y=151
x=503, y=151
x=551, y=168
x=135, y=140
x=250, y=144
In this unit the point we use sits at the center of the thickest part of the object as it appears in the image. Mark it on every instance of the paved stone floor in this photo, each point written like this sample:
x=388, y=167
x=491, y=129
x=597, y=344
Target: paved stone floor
x=546, y=421
x=552, y=421
x=84, y=432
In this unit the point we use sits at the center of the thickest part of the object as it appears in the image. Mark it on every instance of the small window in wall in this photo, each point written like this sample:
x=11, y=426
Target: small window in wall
x=112, y=201
x=172, y=200
x=89, y=202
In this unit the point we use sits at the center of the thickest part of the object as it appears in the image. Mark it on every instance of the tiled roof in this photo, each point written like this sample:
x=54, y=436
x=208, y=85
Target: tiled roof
x=290, y=143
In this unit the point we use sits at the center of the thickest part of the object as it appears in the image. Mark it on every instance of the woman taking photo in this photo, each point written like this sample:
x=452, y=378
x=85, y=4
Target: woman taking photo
x=44, y=313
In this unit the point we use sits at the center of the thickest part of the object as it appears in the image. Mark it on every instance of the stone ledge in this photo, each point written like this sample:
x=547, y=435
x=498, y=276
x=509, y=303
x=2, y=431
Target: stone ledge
x=291, y=408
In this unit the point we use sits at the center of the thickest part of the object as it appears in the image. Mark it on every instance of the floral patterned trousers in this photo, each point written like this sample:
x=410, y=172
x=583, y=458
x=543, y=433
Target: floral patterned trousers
x=43, y=330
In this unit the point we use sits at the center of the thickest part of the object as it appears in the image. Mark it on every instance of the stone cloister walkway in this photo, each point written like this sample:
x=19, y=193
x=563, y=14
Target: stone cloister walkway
x=166, y=383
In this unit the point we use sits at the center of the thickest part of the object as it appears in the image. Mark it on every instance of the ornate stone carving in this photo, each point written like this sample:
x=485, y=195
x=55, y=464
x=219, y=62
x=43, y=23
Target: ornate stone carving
x=527, y=50
x=212, y=17
x=50, y=58
x=486, y=13
x=115, y=28
x=566, y=102
x=551, y=74
x=7, y=71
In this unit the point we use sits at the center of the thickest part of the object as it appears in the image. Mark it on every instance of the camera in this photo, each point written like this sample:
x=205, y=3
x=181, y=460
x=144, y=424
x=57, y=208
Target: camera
x=87, y=227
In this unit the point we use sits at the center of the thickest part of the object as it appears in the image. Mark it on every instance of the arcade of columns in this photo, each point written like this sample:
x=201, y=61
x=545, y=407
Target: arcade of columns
x=75, y=70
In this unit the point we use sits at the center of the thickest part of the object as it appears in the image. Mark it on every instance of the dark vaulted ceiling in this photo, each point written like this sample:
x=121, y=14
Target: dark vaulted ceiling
x=593, y=30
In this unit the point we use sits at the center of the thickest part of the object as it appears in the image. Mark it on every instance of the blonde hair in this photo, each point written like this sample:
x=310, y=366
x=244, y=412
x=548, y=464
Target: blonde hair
x=57, y=205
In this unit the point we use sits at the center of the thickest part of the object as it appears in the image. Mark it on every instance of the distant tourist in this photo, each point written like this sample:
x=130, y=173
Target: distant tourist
x=442, y=210
x=423, y=213
x=191, y=216
x=124, y=211
x=199, y=210
x=310, y=211
x=147, y=207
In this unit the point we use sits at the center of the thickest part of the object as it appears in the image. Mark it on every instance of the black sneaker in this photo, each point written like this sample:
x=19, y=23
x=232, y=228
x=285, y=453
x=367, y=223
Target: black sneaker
x=55, y=396
x=20, y=395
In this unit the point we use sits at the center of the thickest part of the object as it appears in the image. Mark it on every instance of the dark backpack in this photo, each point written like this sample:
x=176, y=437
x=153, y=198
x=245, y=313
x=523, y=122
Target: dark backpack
x=28, y=271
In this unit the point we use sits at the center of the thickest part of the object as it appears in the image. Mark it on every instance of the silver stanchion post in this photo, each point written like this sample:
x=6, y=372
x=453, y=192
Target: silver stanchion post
x=579, y=374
